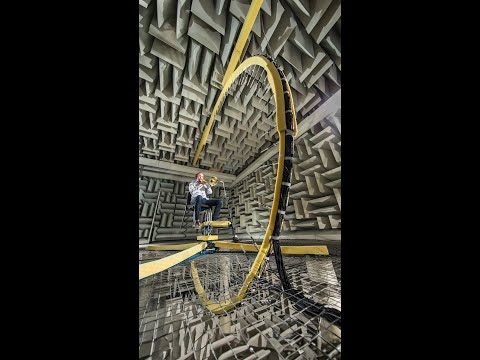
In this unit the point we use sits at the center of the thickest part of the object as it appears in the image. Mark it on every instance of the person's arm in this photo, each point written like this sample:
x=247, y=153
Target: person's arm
x=192, y=186
x=208, y=189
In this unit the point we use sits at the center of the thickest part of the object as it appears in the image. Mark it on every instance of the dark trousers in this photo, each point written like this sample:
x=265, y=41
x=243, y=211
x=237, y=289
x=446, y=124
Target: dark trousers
x=199, y=201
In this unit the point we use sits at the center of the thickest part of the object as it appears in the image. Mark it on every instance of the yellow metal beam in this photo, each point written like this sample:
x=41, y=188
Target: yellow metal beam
x=252, y=14
x=156, y=266
x=171, y=247
x=207, y=237
x=276, y=85
x=304, y=250
x=236, y=246
x=216, y=223
x=275, y=82
x=247, y=26
x=286, y=250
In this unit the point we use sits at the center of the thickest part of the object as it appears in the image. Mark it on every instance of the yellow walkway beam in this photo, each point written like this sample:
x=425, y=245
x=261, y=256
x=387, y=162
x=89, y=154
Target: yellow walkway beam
x=252, y=14
x=171, y=247
x=156, y=266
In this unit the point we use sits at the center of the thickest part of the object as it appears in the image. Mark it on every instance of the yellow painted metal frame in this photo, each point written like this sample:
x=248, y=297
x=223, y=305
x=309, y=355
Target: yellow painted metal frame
x=286, y=250
x=217, y=223
x=304, y=250
x=253, y=11
x=171, y=247
x=276, y=85
x=275, y=81
x=207, y=237
x=156, y=266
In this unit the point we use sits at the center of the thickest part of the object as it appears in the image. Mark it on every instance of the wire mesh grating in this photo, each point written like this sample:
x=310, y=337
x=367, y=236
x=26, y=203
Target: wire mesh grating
x=174, y=324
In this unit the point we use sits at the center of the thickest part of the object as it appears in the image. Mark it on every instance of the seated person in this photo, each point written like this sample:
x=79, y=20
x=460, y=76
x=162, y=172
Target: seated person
x=199, y=189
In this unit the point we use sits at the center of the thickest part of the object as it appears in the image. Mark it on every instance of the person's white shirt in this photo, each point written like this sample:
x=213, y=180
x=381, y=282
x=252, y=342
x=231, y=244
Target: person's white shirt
x=198, y=189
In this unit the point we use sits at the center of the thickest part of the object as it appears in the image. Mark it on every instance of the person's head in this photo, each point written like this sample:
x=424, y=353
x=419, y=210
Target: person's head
x=199, y=177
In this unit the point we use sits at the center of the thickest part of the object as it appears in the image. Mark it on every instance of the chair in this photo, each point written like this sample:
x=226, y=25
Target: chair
x=206, y=210
x=207, y=213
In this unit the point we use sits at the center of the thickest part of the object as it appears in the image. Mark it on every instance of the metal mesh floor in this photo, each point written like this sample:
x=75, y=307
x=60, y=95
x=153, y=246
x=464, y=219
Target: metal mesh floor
x=265, y=325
